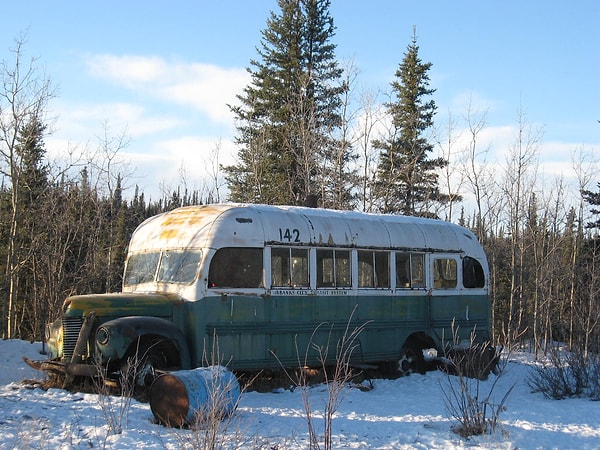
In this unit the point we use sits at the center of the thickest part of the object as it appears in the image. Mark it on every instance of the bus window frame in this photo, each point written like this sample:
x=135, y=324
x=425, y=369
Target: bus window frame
x=305, y=284
x=416, y=262
x=377, y=281
x=422, y=266
x=442, y=283
x=319, y=269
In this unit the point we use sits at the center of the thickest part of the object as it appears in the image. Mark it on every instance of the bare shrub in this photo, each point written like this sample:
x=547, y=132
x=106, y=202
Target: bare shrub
x=567, y=374
x=594, y=377
x=115, y=398
x=476, y=361
x=334, y=377
x=468, y=398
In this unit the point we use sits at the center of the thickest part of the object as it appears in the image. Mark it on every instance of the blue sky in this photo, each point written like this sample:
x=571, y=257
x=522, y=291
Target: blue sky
x=166, y=70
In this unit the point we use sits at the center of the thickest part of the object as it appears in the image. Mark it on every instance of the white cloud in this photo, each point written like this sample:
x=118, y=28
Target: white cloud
x=169, y=163
x=164, y=136
x=82, y=122
x=205, y=87
x=127, y=70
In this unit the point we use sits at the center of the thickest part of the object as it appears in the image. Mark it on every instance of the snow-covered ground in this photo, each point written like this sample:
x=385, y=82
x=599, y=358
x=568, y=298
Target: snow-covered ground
x=406, y=413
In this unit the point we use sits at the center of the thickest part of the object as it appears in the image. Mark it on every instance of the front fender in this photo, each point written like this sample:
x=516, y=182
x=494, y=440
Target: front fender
x=115, y=337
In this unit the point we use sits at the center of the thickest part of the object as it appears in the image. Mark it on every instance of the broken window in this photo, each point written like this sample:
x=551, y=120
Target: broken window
x=141, y=268
x=178, y=267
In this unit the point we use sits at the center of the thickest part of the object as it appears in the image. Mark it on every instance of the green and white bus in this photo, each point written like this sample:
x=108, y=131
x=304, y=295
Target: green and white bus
x=268, y=285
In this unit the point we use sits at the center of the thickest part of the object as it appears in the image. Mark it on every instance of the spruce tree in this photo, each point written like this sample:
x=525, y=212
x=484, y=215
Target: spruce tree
x=31, y=186
x=288, y=115
x=406, y=179
x=33, y=173
x=593, y=198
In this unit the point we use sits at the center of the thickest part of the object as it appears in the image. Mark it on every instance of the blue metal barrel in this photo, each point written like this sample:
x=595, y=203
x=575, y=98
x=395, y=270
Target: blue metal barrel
x=189, y=397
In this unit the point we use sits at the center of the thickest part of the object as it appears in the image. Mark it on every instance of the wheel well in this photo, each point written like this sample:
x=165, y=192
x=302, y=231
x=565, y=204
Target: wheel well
x=160, y=344
x=412, y=358
x=418, y=341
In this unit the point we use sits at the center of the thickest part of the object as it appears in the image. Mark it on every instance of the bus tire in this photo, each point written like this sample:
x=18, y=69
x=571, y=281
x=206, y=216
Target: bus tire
x=411, y=358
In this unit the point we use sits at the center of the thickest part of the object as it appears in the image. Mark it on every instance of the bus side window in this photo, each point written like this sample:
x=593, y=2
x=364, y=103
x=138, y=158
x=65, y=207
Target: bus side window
x=299, y=257
x=280, y=270
x=333, y=268
x=325, y=274
x=417, y=270
x=236, y=267
x=473, y=276
x=289, y=267
x=382, y=269
x=403, y=270
x=373, y=269
x=444, y=273
x=365, y=269
x=342, y=268
x=409, y=270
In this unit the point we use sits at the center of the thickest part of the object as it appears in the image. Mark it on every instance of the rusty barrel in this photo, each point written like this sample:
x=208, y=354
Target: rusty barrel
x=188, y=397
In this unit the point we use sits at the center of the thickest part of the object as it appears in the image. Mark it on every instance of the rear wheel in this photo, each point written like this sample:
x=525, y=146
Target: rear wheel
x=411, y=358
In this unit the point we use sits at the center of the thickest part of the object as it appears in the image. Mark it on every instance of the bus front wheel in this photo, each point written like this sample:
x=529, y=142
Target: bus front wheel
x=143, y=365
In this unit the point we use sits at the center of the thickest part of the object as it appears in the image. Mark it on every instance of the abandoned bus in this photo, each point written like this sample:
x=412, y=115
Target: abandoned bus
x=266, y=287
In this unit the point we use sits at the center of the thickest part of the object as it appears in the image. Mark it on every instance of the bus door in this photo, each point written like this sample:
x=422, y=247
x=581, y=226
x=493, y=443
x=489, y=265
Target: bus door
x=448, y=310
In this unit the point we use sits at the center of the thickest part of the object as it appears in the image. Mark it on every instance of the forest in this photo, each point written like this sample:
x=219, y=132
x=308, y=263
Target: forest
x=306, y=135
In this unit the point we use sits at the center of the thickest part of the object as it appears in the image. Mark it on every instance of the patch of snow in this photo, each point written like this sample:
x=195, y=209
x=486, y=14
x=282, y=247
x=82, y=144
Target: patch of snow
x=406, y=413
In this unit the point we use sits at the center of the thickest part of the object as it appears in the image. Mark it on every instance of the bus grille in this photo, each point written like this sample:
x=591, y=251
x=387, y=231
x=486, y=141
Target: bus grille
x=71, y=328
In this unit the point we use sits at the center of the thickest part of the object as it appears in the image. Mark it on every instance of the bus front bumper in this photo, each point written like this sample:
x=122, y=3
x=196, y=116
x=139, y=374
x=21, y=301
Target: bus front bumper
x=61, y=368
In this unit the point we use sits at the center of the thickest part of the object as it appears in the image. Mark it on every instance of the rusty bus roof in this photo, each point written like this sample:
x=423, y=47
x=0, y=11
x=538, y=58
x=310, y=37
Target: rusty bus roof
x=251, y=225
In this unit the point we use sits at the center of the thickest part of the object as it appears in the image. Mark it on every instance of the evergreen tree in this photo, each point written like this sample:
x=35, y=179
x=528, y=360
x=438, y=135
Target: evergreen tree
x=406, y=179
x=33, y=174
x=290, y=111
x=593, y=198
x=32, y=185
x=117, y=237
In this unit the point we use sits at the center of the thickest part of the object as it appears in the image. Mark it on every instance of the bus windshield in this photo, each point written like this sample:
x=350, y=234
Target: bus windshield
x=162, y=267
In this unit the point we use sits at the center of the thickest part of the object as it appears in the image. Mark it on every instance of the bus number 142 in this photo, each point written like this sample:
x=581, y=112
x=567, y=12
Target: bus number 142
x=285, y=234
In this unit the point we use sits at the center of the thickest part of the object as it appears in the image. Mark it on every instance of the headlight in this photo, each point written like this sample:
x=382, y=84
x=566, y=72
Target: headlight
x=54, y=338
x=102, y=336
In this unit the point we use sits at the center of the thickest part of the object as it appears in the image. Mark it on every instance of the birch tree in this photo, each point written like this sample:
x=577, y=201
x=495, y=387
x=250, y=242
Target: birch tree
x=24, y=97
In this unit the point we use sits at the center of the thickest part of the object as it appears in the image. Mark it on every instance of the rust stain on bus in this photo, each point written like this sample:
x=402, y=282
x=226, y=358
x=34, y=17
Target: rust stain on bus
x=175, y=225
